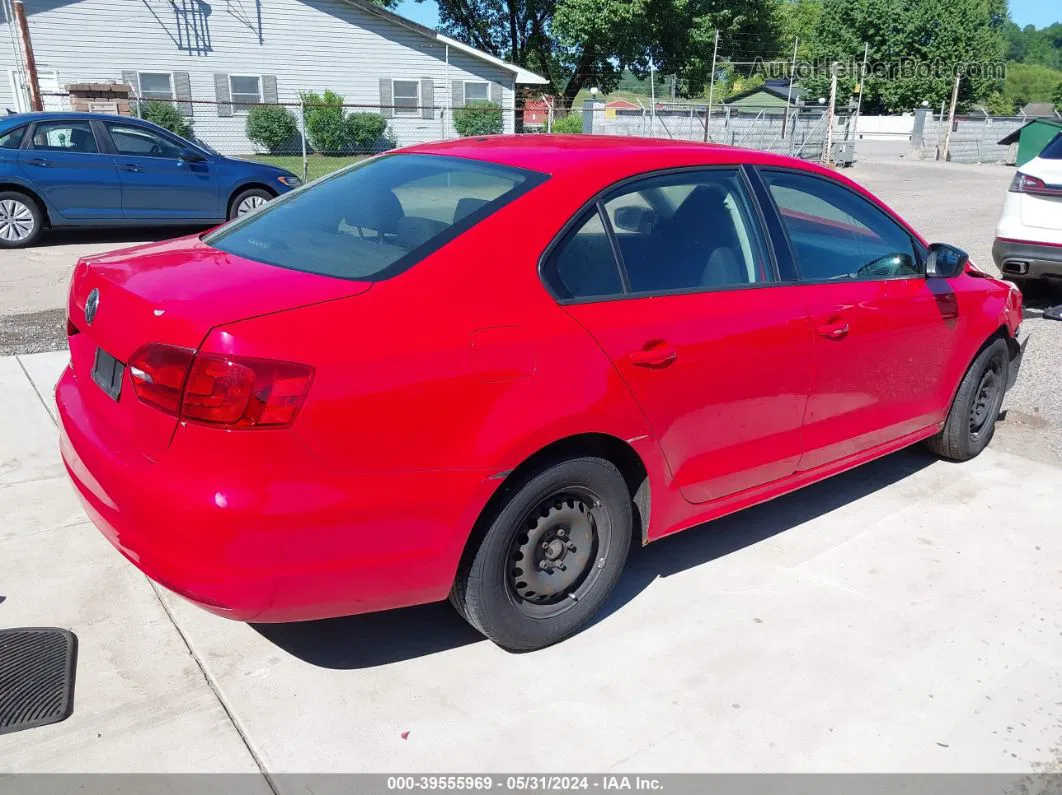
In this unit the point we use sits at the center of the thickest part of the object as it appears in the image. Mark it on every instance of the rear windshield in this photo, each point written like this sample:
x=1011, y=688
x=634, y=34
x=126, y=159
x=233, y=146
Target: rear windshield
x=376, y=219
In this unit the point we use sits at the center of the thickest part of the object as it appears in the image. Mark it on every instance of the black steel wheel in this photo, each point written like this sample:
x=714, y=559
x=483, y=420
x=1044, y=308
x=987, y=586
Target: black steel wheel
x=554, y=556
x=550, y=554
x=972, y=419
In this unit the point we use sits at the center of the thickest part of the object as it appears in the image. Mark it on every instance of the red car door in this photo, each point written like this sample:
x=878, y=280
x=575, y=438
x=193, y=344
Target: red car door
x=672, y=276
x=883, y=335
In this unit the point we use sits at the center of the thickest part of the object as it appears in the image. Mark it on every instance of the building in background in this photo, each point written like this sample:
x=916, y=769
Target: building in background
x=214, y=60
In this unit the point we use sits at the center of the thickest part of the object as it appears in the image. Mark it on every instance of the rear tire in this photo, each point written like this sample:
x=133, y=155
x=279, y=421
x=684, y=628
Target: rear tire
x=21, y=220
x=247, y=201
x=550, y=556
x=972, y=419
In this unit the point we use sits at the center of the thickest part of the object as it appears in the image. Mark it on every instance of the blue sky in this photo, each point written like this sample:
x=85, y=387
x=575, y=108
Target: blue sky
x=1025, y=12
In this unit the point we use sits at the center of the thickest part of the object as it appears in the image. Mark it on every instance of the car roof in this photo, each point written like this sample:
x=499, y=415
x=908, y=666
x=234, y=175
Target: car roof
x=557, y=154
x=44, y=115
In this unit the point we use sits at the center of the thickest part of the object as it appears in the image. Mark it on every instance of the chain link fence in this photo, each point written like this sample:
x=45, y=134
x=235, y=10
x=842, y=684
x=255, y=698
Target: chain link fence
x=800, y=132
x=314, y=137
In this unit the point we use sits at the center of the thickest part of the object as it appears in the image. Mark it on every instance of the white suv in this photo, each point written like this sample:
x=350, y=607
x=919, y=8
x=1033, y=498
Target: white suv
x=1028, y=241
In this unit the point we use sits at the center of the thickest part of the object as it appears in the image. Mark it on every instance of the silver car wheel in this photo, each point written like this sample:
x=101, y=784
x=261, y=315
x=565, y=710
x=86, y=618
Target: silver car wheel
x=16, y=221
x=249, y=204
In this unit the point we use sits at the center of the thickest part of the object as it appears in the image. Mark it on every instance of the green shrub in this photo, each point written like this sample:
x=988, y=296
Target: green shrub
x=325, y=122
x=166, y=115
x=572, y=123
x=478, y=118
x=365, y=132
x=274, y=128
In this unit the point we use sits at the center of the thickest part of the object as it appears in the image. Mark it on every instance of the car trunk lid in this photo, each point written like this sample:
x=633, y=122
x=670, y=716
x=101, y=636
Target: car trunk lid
x=171, y=293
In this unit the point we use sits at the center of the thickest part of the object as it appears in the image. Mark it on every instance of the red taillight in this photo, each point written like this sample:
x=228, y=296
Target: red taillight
x=245, y=393
x=158, y=373
x=1023, y=183
x=226, y=391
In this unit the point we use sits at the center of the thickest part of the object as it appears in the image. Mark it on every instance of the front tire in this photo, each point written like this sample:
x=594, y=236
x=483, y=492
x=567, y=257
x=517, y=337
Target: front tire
x=21, y=220
x=972, y=419
x=550, y=556
x=248, y=201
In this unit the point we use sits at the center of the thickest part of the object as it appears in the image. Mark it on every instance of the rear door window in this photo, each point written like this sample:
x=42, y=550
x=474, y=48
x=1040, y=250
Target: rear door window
x=376, y=219
x=12, y=139
x=64, y=136
x=837, y=234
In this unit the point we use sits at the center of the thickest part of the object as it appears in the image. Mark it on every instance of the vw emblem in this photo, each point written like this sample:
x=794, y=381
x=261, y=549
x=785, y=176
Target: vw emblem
x=92, y=305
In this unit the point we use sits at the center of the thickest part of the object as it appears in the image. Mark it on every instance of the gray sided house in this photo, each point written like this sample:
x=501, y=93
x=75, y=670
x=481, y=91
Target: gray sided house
x=214, y=58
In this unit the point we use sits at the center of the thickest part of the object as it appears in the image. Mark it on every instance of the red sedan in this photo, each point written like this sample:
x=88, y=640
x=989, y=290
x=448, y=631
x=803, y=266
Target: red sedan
x=480, y=369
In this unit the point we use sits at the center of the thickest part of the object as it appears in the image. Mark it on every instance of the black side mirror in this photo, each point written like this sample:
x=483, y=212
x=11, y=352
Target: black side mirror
x=190, y=156
x=945, y=261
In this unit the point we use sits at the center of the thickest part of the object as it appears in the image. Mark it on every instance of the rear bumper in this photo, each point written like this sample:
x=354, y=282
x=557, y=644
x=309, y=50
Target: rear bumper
x=268, y=536
x=1027, y=259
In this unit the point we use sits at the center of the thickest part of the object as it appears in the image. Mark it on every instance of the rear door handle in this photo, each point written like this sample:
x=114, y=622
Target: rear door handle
x=834, y=331
x=39, y=161
x=131, y=167
x=659, y=355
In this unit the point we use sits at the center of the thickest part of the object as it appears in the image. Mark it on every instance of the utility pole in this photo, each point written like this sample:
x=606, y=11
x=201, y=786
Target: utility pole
x=826, y=153
x=31, y=63
x=951, y=114
x=789, y=94
x=859, y=101
x=711, y=88
x=652, y=101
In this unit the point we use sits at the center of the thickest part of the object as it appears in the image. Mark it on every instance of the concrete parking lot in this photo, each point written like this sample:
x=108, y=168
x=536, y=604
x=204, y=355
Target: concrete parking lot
x=905, y=616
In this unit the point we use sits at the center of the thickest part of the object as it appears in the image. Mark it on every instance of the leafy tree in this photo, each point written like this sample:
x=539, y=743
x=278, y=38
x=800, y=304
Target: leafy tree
x=917, y=45
x=324, y=122
x=478, y=118
x=1042, y=47
x=1057, y=96
x=798, y=19
x=165, y=115
x=1030, y=83
x=582, y=43
x=567, y=125
x=273, y=127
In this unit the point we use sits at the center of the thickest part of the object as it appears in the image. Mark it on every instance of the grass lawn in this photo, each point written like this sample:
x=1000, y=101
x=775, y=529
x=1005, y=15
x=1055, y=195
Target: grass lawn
x=316, y=165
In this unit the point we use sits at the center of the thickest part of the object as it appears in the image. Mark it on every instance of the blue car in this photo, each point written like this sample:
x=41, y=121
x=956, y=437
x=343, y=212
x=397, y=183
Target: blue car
x=89, y=169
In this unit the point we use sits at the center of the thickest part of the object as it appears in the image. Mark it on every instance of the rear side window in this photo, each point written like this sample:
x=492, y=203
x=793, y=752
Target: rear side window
x=12, y=139
x=582, y=266
x=64, y=136
x=837, y=234
x=376, y=219
x=1053, y=150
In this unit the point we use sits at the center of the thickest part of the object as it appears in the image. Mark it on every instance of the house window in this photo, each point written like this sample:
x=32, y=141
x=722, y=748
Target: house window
x=155, y=85
x=476, y=91
x=406, y=97
x=246, y=90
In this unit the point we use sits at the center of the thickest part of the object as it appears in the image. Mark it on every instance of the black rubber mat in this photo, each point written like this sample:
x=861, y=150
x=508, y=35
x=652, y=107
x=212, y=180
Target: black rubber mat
x=37, y=667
